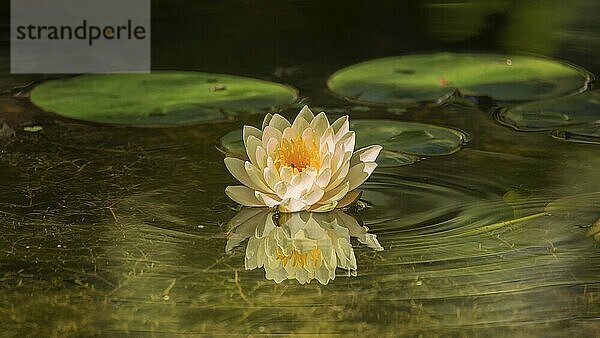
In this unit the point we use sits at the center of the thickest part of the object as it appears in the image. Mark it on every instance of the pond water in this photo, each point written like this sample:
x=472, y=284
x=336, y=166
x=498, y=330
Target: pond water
x=120, y=230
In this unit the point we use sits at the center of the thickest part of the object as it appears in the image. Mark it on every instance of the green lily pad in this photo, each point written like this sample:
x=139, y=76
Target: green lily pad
x=412, y=79
x=232, y=144
x=403, y=142
x=411, y=138
x=161, y=98
x=553, y=113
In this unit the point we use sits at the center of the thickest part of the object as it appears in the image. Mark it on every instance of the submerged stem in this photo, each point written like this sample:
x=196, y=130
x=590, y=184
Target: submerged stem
x=505, y=223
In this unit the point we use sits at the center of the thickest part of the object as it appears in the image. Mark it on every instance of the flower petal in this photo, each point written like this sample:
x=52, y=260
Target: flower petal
x=271, y=176
x=268, y=199
x=359, y=173
x=261, y=157
x=326, y=141
x=339, y=176
x=340, y=127
x=270, y=133
x=271, y=146
x=252, y=143
x=347, y=141
x=243, y=195
x=320, y=123
x=366, y=154
x=350, y=198
x=266, y=120
x=286, y=174
x=336, y=194
x=313, y=196
x=285, y=190
x=302, y=181
x=279, y=122
x=291, y=205
x=323, y=207
x=237, y=168
x=323, y=179
x=290, y=134
x=325, y=162
x=306, y=114
x=256, y=175
x=300, y=125
x=309, y=137
x=250, y=130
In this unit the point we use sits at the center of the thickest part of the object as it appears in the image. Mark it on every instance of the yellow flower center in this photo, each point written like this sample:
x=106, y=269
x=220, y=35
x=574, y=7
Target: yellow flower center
x=298, y=259
x=298, y=155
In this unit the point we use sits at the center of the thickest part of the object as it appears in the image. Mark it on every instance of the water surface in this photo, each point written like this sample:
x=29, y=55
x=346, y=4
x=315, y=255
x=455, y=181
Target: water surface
x=118, y=230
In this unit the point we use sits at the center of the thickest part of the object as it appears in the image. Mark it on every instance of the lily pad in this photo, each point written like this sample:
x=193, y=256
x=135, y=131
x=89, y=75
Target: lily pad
x=412, y=79
x=232, y=144
x=403, y=142
x=161, y=98
x=411, y=138
x=553, y=113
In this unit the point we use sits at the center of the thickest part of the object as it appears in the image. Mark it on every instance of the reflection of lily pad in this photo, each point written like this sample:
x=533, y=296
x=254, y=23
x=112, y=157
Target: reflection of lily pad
x=389, y=158
x=162, y=98
x=410, y=79
x=403, y=142
x=589, y=133
x=553, y=113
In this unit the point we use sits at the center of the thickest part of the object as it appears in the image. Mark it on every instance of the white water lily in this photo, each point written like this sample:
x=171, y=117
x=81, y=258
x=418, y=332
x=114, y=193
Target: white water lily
x=309, y=164
x=302, y=246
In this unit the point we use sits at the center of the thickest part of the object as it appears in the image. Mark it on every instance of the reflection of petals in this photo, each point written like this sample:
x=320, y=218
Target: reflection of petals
x=313, y=158
x=302, y=246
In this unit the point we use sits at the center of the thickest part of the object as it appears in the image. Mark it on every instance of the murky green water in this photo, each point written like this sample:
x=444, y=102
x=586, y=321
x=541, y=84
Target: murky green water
x=119, y=231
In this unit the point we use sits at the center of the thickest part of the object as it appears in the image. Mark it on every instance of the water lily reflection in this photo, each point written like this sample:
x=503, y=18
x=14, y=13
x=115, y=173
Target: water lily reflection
x=302, y=246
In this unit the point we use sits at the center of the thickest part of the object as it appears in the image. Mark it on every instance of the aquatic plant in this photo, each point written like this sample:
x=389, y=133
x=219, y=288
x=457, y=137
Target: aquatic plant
x=309, y=164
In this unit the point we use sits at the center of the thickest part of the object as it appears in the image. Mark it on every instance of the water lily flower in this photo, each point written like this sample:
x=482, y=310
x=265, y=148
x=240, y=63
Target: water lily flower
x=302, y=246
x=309, y=164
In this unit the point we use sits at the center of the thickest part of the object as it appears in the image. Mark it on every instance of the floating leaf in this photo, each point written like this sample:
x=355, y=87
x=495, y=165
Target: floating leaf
x=409, y=137
x=232, y=144
x=161, y=98
x=553, y=113
x=403, y=142
x=411, y=79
